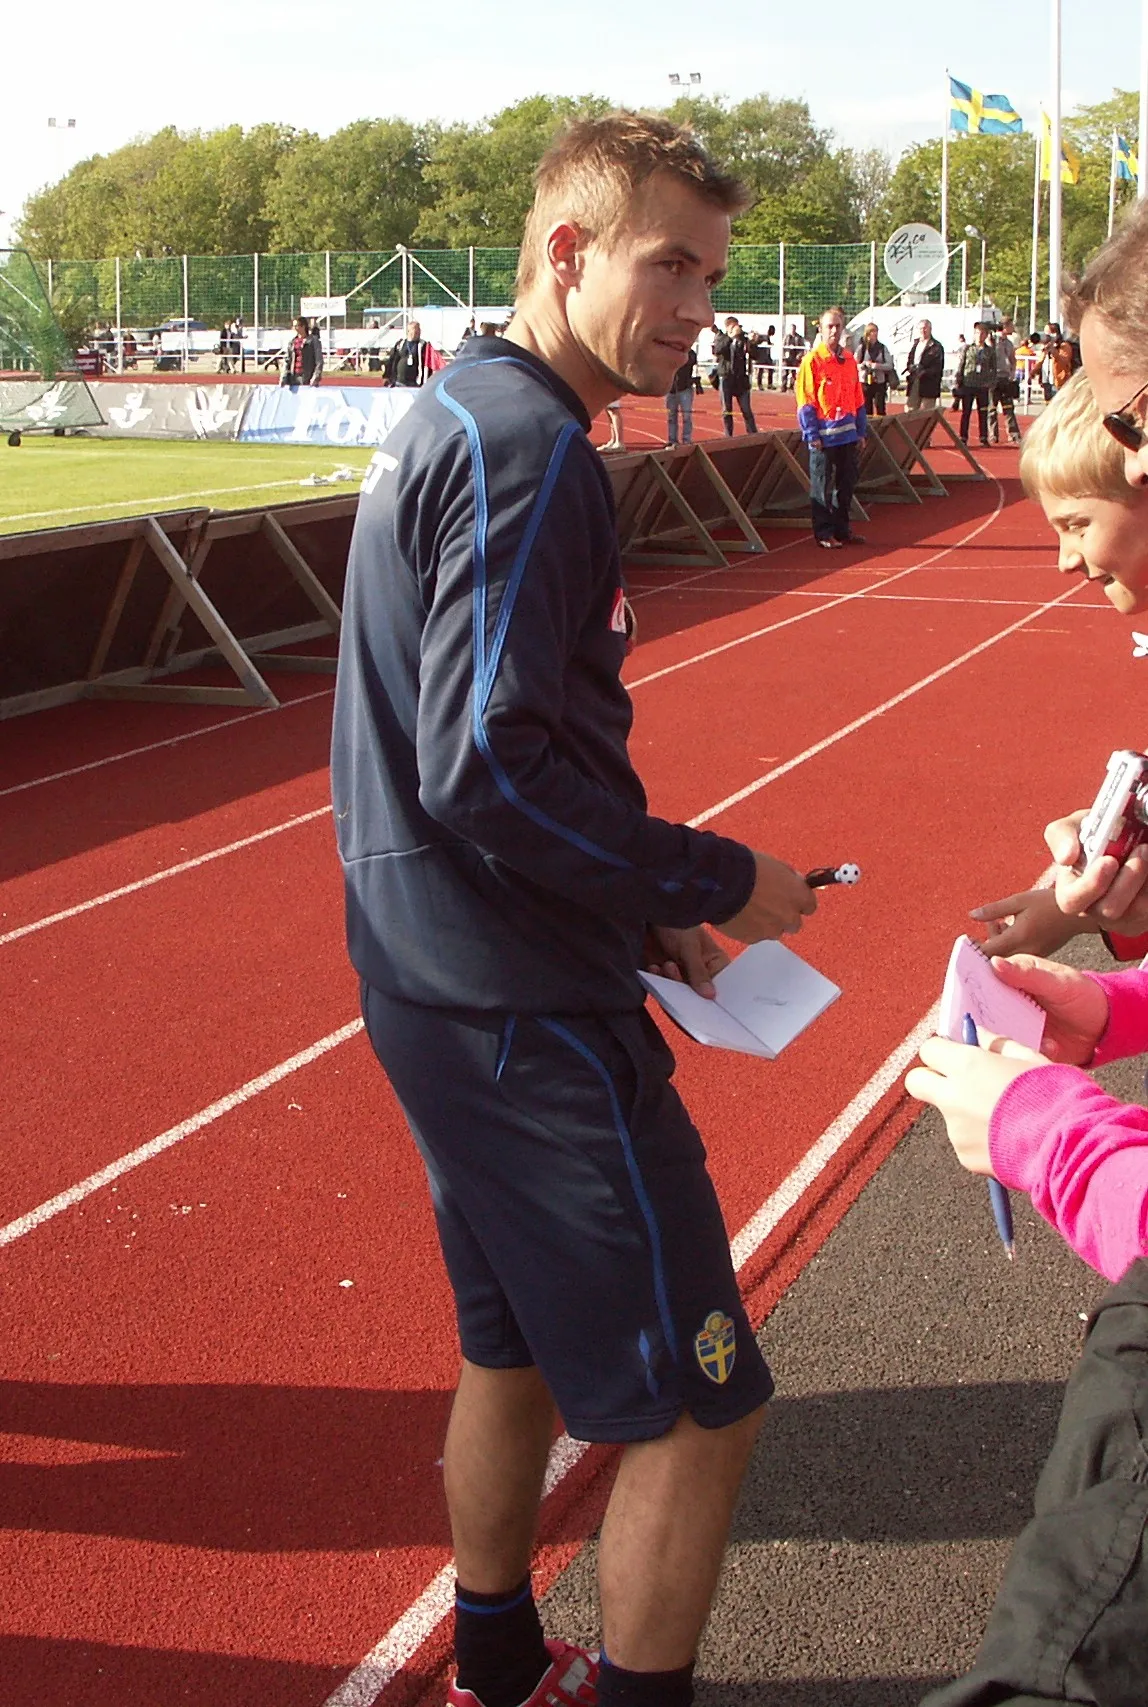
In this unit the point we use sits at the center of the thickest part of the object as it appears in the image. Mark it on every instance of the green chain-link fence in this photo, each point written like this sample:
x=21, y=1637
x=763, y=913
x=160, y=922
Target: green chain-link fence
x=266, y=289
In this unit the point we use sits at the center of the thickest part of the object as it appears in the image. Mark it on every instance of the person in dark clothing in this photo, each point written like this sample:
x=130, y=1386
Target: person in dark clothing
x=680, y=401
x=504, y=883
x=302, y=357
x=407, y=363
x=974, y=379
x=924, y=370
x=732, y=356
x=877, y=370
x=792, y=357
x=1070, y=1621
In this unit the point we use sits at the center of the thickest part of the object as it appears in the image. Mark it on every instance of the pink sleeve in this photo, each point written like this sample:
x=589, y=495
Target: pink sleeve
x=1127, y=1030
x=1083, y=1159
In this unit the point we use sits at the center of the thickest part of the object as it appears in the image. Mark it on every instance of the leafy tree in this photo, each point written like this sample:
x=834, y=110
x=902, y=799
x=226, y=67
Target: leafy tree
x=363, y=188
x=481, y=177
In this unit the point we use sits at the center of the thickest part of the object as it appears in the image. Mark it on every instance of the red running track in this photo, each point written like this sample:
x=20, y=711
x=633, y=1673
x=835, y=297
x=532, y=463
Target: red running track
x=218, y=1458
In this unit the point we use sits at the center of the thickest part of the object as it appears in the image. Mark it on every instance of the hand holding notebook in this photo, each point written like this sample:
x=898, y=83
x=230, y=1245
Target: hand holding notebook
x=764, y=999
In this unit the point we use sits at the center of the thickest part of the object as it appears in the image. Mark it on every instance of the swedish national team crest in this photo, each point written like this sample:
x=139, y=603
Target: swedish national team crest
x=716, y=1347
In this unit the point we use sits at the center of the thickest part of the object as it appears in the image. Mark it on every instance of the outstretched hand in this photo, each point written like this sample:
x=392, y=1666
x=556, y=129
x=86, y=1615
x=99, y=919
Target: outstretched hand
x=1030, y=922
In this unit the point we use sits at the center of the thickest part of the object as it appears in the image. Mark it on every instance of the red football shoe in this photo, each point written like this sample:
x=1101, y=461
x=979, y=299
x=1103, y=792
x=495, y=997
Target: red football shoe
x=572, y=1681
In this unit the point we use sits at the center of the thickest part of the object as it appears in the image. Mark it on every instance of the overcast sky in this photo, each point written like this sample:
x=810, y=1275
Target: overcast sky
x=874, y=75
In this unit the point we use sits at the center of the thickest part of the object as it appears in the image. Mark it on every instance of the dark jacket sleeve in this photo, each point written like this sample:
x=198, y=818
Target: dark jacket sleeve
x=514, y=585
x=1070, y=1623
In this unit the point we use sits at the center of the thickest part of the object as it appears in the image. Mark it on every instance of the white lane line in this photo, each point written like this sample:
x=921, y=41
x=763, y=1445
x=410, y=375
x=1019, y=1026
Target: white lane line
x=164, y=498
x=175, y=1134
x=831, y=603
x=161, y=876
x=419, y=1622
x=877, y=711
x=170, y=741
x=893, y=598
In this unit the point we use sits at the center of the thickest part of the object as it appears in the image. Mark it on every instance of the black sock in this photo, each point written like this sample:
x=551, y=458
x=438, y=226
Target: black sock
x=498, y=1644
x=620, y=1688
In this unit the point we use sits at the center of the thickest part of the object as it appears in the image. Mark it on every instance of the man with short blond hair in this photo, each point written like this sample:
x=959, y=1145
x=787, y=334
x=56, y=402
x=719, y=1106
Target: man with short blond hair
x=505, y=881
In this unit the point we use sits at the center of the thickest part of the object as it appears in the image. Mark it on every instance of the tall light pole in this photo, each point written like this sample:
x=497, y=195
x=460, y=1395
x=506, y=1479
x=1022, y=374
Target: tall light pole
x=971, y=231
x=1055, y=238
x=690, y=84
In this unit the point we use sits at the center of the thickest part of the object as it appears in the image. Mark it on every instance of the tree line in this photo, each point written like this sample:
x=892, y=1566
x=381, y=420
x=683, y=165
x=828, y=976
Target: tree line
x=380, y=182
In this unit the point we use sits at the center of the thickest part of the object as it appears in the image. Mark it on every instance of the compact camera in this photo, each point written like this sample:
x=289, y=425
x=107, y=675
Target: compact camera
x=1118, y=821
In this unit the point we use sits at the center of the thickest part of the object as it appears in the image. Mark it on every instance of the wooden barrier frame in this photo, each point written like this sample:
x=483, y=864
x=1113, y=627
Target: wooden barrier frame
x=152, y=616
x=126, y=615
x=920, y=428
x=263, y=648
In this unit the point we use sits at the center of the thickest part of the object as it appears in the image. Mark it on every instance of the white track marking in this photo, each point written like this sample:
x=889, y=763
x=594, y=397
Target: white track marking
x=877, y=711
x=435, y=1604
x=831, y=602
x=888, y=598
x=164, y=498
x=169, y=741
x=161, y=876
x=175, y=1134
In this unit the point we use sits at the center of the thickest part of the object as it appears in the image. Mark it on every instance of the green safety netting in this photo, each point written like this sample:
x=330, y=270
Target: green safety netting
x=267, y=289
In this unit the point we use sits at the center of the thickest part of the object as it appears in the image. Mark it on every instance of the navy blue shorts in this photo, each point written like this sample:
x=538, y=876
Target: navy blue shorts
x=578, y=1222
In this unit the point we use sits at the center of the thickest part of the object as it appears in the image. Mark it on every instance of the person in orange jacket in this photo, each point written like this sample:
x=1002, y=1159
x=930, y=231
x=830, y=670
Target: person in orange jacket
x=831, y=415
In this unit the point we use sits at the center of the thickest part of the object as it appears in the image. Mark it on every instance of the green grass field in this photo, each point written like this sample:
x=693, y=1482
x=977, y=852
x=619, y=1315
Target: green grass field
x=50, y=483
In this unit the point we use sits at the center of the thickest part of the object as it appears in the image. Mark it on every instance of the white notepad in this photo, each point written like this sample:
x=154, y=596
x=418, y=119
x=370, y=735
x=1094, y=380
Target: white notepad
x=972, y=987
x=765, y=998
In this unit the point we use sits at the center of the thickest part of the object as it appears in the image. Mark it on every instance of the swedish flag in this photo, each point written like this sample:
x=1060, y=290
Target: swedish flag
x=1127, y=161
x=981, y=115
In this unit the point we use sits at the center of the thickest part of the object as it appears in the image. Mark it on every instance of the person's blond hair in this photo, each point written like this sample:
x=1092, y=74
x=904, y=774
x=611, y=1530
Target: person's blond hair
x=594, y=170
x=1067, y=452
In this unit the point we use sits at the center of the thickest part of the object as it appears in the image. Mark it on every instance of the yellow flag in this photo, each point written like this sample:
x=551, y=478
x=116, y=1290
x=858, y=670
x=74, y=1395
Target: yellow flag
x=1069, y=158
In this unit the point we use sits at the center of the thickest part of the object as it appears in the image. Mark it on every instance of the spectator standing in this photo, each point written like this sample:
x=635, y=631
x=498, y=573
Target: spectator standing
x=769, y=363
x=617, y=439
x=732, y=355
x=408, y=360
x=877, y=369
x=793, y=353
x=225, y=339
x=975, y=376
x=832, y=418
x=468, y=331
x=1002, y=398
x=680, y=401
x=1057, y=365
x=303, y=357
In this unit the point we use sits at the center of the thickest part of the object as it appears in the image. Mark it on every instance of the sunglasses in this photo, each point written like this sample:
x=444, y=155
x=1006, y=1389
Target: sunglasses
x=1124, y=426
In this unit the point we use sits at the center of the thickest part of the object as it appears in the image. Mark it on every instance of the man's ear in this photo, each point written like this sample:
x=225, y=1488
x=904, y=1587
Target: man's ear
x=565, y=244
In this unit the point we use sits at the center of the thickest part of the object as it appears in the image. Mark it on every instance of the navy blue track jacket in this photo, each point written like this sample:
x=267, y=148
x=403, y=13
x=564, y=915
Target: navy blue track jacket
x=494, y=836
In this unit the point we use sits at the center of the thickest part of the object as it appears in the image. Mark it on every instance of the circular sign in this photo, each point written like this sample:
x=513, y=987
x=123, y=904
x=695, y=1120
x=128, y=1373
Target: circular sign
x=915, y=257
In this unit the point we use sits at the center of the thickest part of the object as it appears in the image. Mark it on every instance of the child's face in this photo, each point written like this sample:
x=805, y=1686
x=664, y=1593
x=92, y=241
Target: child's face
x=1107, y=541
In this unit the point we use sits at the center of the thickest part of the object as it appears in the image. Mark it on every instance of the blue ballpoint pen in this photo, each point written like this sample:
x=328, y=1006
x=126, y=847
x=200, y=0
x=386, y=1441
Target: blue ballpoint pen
x=1002, y=1208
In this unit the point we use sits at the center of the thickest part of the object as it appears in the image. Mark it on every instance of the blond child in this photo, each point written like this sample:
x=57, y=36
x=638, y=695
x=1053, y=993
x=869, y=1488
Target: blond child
x=1074, y=469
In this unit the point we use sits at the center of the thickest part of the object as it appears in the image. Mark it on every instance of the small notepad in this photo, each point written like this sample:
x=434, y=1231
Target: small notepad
x=765, y=998
x=972, y=987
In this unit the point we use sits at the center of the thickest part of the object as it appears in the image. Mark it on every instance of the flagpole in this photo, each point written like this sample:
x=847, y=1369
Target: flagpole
x=1142, y=142
x=1055, y=223
x=1039, y=140
x=1112, y=187
x=945, y=182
